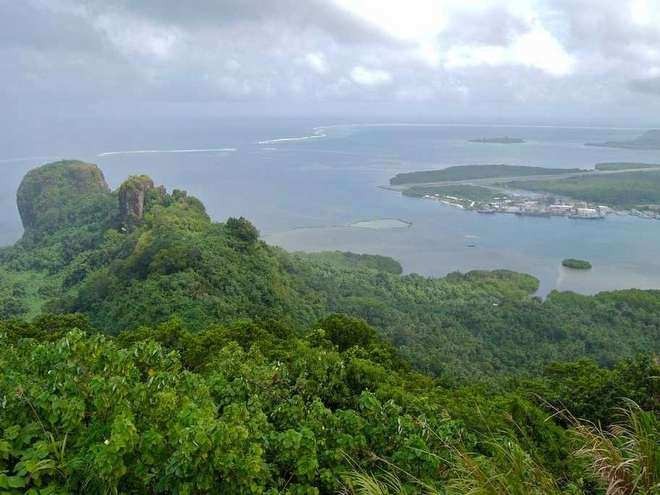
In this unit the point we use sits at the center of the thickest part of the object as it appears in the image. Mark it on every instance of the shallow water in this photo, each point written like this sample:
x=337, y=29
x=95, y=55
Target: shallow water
x=381, y=223
x=304, y=194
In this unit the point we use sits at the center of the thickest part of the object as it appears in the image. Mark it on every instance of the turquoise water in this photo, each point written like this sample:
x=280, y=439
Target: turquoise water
x=304, y=194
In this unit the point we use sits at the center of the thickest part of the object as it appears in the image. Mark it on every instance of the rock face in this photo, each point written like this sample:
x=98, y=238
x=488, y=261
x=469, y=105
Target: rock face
x=50, y=196
x=132, y=194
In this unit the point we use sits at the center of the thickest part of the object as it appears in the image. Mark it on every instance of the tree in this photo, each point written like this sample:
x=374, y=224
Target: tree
x=242, y=229
x=346, y=332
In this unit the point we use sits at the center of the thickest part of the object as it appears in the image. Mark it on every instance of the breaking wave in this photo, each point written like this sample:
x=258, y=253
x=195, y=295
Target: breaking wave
x=140, y=152
x=319, y=132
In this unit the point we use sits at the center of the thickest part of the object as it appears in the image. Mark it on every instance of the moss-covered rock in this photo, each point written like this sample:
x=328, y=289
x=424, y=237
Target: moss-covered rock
x=54, y=195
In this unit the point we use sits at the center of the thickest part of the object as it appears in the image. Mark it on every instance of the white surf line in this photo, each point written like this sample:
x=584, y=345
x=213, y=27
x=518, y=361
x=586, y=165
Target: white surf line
x=318, y=133
x=140, y=152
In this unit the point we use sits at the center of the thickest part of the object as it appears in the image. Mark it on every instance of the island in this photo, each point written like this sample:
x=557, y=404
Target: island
x=486, y=189
x=617, y=166
x=650, y=140
x=576, y=264
x=497, y=140
x=639, y=190
x=613, y=187
x=470, y=172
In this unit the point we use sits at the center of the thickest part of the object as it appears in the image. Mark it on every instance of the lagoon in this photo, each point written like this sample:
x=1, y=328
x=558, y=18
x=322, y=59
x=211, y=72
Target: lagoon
x=315, y=194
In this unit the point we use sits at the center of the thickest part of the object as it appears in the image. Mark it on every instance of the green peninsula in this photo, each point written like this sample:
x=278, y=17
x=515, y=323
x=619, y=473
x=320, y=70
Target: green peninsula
x=620, y=190
x=470, y=172
x=616, y=166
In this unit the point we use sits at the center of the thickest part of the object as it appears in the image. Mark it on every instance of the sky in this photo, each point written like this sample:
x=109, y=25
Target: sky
x=446, y=60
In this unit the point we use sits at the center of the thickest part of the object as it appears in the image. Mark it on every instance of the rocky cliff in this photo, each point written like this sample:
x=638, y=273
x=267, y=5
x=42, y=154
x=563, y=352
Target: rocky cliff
x=132, y=194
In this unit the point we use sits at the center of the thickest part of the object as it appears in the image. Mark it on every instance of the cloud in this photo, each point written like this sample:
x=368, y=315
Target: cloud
x=649, y=85
x=405, y=20
x=524, y=51
x=474, y=57
x=322, y=15
x=370, y=77
x=317, y=62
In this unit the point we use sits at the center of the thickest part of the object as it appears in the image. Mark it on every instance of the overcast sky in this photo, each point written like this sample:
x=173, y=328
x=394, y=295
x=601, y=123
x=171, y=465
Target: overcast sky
x=547, y=59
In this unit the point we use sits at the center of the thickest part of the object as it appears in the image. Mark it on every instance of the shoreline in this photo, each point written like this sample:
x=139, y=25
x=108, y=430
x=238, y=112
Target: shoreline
x=490, y=195
x=474, y=206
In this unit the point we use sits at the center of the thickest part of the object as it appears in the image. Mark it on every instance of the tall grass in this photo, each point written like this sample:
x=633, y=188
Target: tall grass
x=625, y=457
x=508, y=471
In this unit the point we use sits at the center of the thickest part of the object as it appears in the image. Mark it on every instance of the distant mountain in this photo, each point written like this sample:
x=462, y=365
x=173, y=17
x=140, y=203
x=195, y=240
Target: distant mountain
x=650, y=140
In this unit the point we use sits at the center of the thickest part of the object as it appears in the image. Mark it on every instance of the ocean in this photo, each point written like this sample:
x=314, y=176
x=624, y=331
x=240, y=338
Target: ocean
x=314, y=186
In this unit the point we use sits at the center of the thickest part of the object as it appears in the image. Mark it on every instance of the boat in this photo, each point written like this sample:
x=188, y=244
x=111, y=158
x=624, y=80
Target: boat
x=586, y=214
x=486, y=211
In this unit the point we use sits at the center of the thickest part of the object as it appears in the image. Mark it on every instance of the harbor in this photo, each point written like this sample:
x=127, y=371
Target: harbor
x=541, y=206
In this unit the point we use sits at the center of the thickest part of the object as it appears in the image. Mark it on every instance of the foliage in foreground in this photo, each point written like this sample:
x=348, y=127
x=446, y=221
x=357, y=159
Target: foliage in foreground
x=624, y=459
x=625, y=456
x=250, y=408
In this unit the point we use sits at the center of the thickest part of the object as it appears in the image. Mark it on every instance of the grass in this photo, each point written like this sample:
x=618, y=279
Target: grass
x=625, y=457
x=508, y=470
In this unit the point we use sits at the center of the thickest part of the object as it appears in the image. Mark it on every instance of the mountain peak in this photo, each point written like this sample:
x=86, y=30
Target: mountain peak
x=48, y=194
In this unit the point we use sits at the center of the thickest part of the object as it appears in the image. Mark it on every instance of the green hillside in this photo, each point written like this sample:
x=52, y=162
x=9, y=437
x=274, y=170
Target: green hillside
x=147, y=349
x=157, y=255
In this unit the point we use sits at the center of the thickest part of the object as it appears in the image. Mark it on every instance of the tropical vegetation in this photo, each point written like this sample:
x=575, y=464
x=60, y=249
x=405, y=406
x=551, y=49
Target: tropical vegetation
x=576, y=264
x=146, y=349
